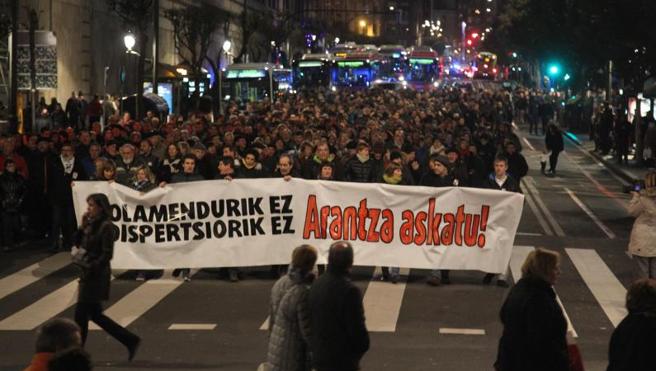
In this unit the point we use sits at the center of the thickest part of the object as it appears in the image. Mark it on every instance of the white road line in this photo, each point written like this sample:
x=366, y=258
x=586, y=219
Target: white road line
x=529, y=234
x=382, y=302
x=536, y=195
x=42, y=310
x=193, y=326
x=528, y=144
x=518, y=257
x=598, y=185
x=592, y=216
x=536, y=211
x=605, y=287
x=142, y=299
x=585, y=152
x=462, y=331
x=33, y=273
x=265, y=325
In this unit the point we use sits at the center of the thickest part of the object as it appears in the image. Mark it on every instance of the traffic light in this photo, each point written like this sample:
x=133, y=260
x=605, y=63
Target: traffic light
x=553, y=70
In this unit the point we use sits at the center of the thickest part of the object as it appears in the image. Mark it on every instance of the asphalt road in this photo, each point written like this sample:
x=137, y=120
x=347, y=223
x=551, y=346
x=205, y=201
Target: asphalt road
x=211, y=324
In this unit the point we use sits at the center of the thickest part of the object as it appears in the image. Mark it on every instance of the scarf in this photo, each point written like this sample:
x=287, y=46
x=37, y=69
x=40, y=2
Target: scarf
x=68, y=164
x=361, y=158
x=394, y=179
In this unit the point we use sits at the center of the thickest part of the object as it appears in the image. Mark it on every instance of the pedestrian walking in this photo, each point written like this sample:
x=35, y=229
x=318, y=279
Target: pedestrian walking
x=290, y=321
x=632, y=343
x=555, y=145
x=641, y=243
x=339, y=334
x=95, y=241
x=534, y=327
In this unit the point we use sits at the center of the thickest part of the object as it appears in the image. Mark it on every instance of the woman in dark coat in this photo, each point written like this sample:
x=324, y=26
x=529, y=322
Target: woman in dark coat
x=534, y=327
x=554, y=143
x=632, y=344
x=95, y=239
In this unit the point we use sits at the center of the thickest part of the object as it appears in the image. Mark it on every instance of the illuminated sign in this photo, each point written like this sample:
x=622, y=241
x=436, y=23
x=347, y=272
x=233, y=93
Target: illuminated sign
x=350, y=64
x=310, y=64
x=396, y=55
x=421, y=61
x=245, y=74
x=340, y=54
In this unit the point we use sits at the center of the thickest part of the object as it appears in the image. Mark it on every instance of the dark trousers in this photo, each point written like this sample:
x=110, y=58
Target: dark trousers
x=38, y=213
x=63, y=220
x=93, y=311
x=10, y=228
x=553, y=160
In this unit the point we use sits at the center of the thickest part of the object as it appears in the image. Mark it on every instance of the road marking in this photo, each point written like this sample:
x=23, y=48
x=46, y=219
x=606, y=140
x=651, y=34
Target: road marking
x=142, y=299
x=382, y=302
x=605, y=287
x=193, y=326
x=517, y=259
x=586, y=153
x=538, y=200
x=528, y=144
x=462, y=331
x=536, y=211
x=26, y=276
x=265, y=325
x=598, y=185
x=529, y=234
x=592, y=216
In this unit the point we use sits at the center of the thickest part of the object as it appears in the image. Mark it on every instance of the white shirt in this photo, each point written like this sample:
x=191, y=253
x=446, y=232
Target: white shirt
x=68, y=164
x=500, y=181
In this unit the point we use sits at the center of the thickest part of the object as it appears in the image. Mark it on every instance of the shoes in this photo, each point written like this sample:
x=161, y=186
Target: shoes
x=502, y=283
x=433, y=281
x=394, y=279
x=186, y=277
x=234, y=276
x=141, y=276
x=133, y=347
x=488, y=278
x=176, y=272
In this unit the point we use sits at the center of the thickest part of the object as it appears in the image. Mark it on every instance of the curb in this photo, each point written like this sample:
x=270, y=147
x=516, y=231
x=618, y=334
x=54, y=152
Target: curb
x=608, y=164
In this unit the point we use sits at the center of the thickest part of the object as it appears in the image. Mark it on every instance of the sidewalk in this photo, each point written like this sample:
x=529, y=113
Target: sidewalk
x=629, y=173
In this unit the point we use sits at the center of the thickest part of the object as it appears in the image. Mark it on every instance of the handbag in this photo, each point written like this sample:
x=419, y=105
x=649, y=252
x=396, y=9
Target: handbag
x=574, y=352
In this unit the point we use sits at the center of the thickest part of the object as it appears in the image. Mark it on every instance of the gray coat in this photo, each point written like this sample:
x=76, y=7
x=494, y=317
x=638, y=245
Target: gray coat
x=289, y=324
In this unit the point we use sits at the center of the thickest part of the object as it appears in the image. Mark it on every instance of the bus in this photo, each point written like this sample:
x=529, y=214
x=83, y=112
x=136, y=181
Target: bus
x=485, y=66
x=356, y=70
x=250, y=82
x=393, y=62
x=312, y=70
x=423, y=68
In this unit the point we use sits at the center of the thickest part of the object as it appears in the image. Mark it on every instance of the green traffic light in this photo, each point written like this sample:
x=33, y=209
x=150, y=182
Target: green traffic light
x=554, y=70
x=567, y=77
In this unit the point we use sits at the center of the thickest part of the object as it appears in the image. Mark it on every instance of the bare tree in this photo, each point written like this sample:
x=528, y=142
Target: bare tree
x=135, y=14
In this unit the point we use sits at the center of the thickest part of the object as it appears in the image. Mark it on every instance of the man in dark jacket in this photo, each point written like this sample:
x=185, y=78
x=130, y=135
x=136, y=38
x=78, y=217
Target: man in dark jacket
x=632, y=342
x=250, y=168
x=127, y=164
x=12, y=192
x=554, y=143
x=361, y=168
x=339, y=334
x=517, y=165
x=62, y=171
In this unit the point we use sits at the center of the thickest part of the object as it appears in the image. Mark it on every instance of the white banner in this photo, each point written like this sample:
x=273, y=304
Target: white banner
x=254, y=222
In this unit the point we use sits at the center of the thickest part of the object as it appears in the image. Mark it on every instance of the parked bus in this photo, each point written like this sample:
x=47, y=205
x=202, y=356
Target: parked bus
x=393, y=62
x=356, y=70
x=249, y=82
x=423, y=68
x=312, y=70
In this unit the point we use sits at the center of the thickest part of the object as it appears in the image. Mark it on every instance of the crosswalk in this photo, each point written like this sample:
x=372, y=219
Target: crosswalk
x=383, y=301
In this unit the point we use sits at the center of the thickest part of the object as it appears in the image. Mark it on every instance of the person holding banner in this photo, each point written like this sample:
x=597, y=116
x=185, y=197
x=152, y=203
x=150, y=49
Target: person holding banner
x=438, y=176
x=188, y=174
x=95, y=241
x=534, y=327
x=501, y=181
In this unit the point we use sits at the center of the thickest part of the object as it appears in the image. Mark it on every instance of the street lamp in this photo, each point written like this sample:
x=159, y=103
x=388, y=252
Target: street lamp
x=226, y=46
x=130, y=41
